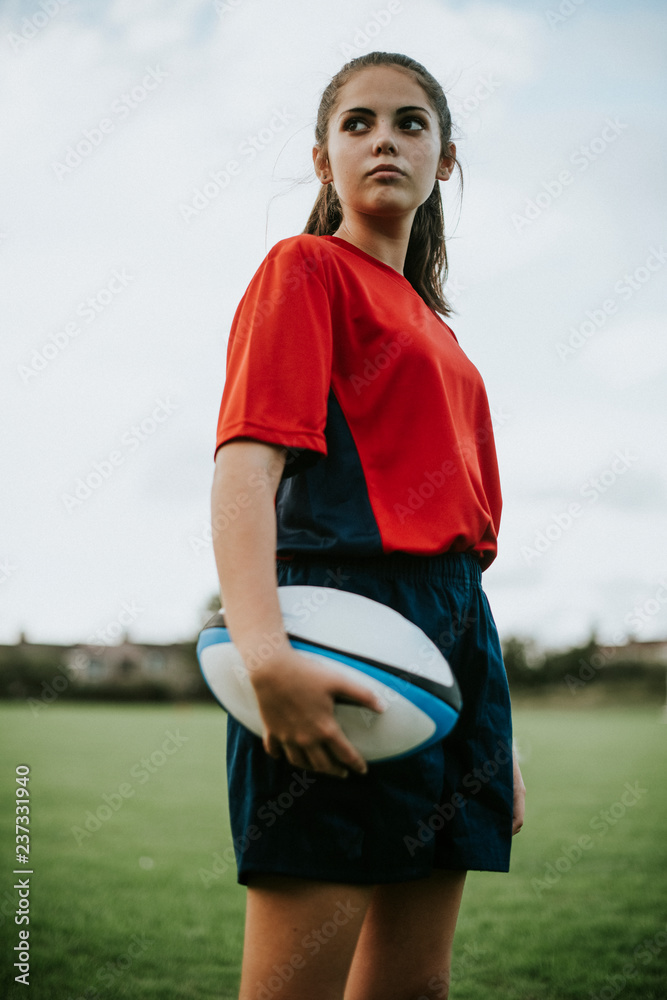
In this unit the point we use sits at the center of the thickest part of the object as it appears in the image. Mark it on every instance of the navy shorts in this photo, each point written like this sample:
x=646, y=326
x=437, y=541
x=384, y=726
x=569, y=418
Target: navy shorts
x=448, y=806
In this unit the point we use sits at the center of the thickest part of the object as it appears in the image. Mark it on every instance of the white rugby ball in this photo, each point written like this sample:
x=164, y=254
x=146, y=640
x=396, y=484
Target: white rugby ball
x=363, y=640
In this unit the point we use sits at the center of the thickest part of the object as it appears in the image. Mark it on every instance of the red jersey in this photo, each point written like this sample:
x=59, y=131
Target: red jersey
x=335, y=356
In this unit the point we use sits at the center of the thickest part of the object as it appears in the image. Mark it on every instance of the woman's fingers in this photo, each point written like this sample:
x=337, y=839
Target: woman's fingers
x=322, y=760
x=358, y=694
x=301, y=722
x=519, y=808
x=296, y=755
x=347, y=755
x=272, y=745
x=316, y=757
x=321, y=757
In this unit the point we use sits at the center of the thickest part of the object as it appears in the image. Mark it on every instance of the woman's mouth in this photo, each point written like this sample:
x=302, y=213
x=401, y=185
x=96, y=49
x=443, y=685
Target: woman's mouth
x=385, y=170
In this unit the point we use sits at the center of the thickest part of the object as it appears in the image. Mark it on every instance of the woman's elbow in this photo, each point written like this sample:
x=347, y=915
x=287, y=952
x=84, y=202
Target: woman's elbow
x=245, y=468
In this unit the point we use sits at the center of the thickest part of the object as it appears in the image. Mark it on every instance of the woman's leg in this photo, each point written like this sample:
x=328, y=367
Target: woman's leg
x=300, y=937
x=405, y=946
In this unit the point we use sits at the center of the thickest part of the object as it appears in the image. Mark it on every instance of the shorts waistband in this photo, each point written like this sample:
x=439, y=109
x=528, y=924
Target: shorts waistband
x=463, y=567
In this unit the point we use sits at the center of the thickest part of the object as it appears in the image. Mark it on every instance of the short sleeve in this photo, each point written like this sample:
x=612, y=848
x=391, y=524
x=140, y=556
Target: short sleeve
x=279, y=355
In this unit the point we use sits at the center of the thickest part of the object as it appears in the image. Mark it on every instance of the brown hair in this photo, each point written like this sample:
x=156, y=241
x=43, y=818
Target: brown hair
x=426, y=258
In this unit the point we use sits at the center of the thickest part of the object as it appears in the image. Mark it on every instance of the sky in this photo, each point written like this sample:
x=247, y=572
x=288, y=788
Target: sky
x=154, y=152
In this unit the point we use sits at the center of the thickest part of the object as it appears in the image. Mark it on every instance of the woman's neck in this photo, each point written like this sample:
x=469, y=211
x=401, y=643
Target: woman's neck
x=388, y=242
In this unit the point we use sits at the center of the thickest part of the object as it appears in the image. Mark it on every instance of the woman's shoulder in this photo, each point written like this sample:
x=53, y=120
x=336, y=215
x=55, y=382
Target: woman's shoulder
x=297, y=261
x=303, y=246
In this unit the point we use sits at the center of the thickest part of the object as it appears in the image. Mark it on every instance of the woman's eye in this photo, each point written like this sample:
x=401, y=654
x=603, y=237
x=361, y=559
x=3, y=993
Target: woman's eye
x=418, y=122
x=351, y=123
x=412, y=124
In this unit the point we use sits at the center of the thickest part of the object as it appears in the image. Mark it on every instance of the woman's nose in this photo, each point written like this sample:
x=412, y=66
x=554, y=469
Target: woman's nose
x=385, y=141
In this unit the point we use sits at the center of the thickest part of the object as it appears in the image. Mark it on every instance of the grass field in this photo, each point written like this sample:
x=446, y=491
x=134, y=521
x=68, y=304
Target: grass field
x=127, y=909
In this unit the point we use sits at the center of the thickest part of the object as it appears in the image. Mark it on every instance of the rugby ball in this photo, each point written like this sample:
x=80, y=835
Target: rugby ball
x=363, y=640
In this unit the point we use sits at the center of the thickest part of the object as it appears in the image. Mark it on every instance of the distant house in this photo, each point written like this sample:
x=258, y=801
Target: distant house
x=652, y=652
x=170, y=668
x=132, y=663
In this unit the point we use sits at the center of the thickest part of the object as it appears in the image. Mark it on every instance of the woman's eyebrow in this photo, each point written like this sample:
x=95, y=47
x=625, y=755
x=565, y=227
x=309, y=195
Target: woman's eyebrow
x=369, y=111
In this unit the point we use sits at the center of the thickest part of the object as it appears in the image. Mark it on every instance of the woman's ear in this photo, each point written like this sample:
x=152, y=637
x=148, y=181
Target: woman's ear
x=321, y=164
x=446, y=165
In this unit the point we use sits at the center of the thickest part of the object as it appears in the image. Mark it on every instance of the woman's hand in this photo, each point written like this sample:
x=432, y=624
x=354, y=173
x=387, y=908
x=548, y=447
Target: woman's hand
x=296, y=701
x=519, y=797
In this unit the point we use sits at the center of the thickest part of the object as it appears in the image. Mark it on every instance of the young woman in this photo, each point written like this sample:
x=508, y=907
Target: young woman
x=354, y=444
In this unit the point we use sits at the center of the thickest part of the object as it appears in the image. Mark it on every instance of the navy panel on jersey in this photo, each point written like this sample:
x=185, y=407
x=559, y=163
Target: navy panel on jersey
x=326, y=506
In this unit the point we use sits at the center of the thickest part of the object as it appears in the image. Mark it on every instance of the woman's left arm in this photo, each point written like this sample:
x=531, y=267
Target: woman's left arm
x=519, y=796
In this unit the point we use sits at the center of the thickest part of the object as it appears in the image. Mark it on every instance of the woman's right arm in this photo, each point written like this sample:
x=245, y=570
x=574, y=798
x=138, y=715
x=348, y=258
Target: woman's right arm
x=295, y=695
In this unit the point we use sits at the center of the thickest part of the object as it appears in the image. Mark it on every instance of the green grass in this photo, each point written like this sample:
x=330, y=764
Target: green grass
x=562, y=926
x=124, y=912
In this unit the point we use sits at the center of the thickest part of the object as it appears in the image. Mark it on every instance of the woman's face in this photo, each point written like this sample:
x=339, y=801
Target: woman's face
x=383, y=118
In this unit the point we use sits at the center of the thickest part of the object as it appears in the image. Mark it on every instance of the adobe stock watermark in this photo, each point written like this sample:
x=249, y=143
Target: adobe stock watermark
x=426, y=662
x=624, y=289
x=300, y=614
x=366, y=34
x=267, y=815
x=51, y=690
x=31, y=26
x=463, y=961
x=113, y=801
x=434, y=480
x=389, y=351
x=131, y=440
x=311, y=943
x=589, y=668
x=105, y=636
x=466, y=109
x=602, y=823
x=453, y=289
x=88, y=309
x=641, y=614
x=553, y=189
x=222, y=7
x=220, y=179
x=303, y=270
x=443, y=813
x=225, y=514
x=303, y=610
x=636, y=620
x=643, y=954
x=564, y=11
x=7, y=569
x=120, y=110
x=8, y=908
x=591, y=490
x=108, y=974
